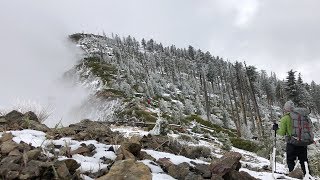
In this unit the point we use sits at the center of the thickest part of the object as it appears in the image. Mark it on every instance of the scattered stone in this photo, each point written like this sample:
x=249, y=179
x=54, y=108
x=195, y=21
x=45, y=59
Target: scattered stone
x=7, y=146
x=133, y=145
x=3, y=120
x=296, y=173
x=35, y=125
x=165, y=163
x=203, y=170
x=71, y=164
x=7, y=167
x=91, y=147
x=192, y=176
x=81, y=150
x=143, y=155
x=128, y=169
x=32, y=170
x=12, y=175
x=41, y=163
x=111, y=149
x=31, y=116
x=6, y=137
x=106, y=160
x=33, y=154
x=216, y=177
x=13, y=116
x=123, y=154
x=11, y=159
x=22, y=146
x=62, y=170
x=179, y=171
x=235, y=175
x=15, y=152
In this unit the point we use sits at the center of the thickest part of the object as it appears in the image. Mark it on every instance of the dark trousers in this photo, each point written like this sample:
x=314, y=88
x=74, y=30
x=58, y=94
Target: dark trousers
x=293, y=152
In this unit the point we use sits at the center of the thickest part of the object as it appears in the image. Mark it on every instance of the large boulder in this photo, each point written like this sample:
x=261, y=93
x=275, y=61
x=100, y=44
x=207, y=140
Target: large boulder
x=128, y=170
x=230, y=161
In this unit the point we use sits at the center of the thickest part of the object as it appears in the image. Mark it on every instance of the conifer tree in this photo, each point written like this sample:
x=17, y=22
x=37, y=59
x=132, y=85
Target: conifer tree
x=291, y=87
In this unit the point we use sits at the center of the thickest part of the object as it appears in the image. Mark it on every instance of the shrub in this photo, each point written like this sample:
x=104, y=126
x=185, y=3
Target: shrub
x=146, y=116
x=198, y=151
x=217, y=128
x=224, y=139
x=187, y=138
x=314, y=164
x=244, y=144
x=99, y=68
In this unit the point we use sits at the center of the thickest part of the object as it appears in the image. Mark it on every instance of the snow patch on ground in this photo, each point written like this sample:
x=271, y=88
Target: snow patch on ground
x=160, y=176
x=175, y=159
x=129, y=131
x=154, y=168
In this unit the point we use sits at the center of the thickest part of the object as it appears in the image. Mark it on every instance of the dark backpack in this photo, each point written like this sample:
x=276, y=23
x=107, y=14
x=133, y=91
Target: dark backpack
x=302, y=134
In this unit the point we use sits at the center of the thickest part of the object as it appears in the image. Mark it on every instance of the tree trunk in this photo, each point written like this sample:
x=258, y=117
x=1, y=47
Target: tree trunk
x=206, y=98
x=242, y=100
x=236, y=120
x=255, y=105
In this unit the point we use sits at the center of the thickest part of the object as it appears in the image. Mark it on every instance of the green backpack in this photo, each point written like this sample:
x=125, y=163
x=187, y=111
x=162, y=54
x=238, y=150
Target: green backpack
x=302, y=133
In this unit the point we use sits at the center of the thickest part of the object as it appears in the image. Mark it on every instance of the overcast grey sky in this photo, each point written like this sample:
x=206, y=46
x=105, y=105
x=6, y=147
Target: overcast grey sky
x=275, y=35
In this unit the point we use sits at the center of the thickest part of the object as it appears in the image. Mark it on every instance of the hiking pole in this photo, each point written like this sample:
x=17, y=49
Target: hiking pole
x=275, y=128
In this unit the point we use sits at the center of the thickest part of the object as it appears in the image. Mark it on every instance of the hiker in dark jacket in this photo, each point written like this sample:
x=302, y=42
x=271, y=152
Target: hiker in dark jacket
x=293, y=149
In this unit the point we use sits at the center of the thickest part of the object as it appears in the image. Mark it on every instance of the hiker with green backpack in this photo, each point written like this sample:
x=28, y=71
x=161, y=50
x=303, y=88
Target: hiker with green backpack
x=296, y=126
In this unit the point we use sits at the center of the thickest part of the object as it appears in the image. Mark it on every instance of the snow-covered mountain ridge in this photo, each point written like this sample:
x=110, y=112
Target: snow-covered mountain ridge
x=172, y=84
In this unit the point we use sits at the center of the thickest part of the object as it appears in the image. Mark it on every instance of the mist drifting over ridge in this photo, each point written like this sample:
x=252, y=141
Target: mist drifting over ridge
x=35, y=53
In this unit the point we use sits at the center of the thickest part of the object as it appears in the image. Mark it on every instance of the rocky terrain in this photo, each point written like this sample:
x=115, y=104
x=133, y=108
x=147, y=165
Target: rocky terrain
x=57, y=156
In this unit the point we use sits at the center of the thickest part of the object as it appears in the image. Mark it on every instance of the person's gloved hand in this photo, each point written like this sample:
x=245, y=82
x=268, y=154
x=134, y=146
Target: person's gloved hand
x=275, y=126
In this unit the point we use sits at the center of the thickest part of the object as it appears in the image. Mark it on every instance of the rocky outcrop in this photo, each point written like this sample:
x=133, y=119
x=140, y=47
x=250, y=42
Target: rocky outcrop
x=15, y=120
x=22, y=161
x=88, y=130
